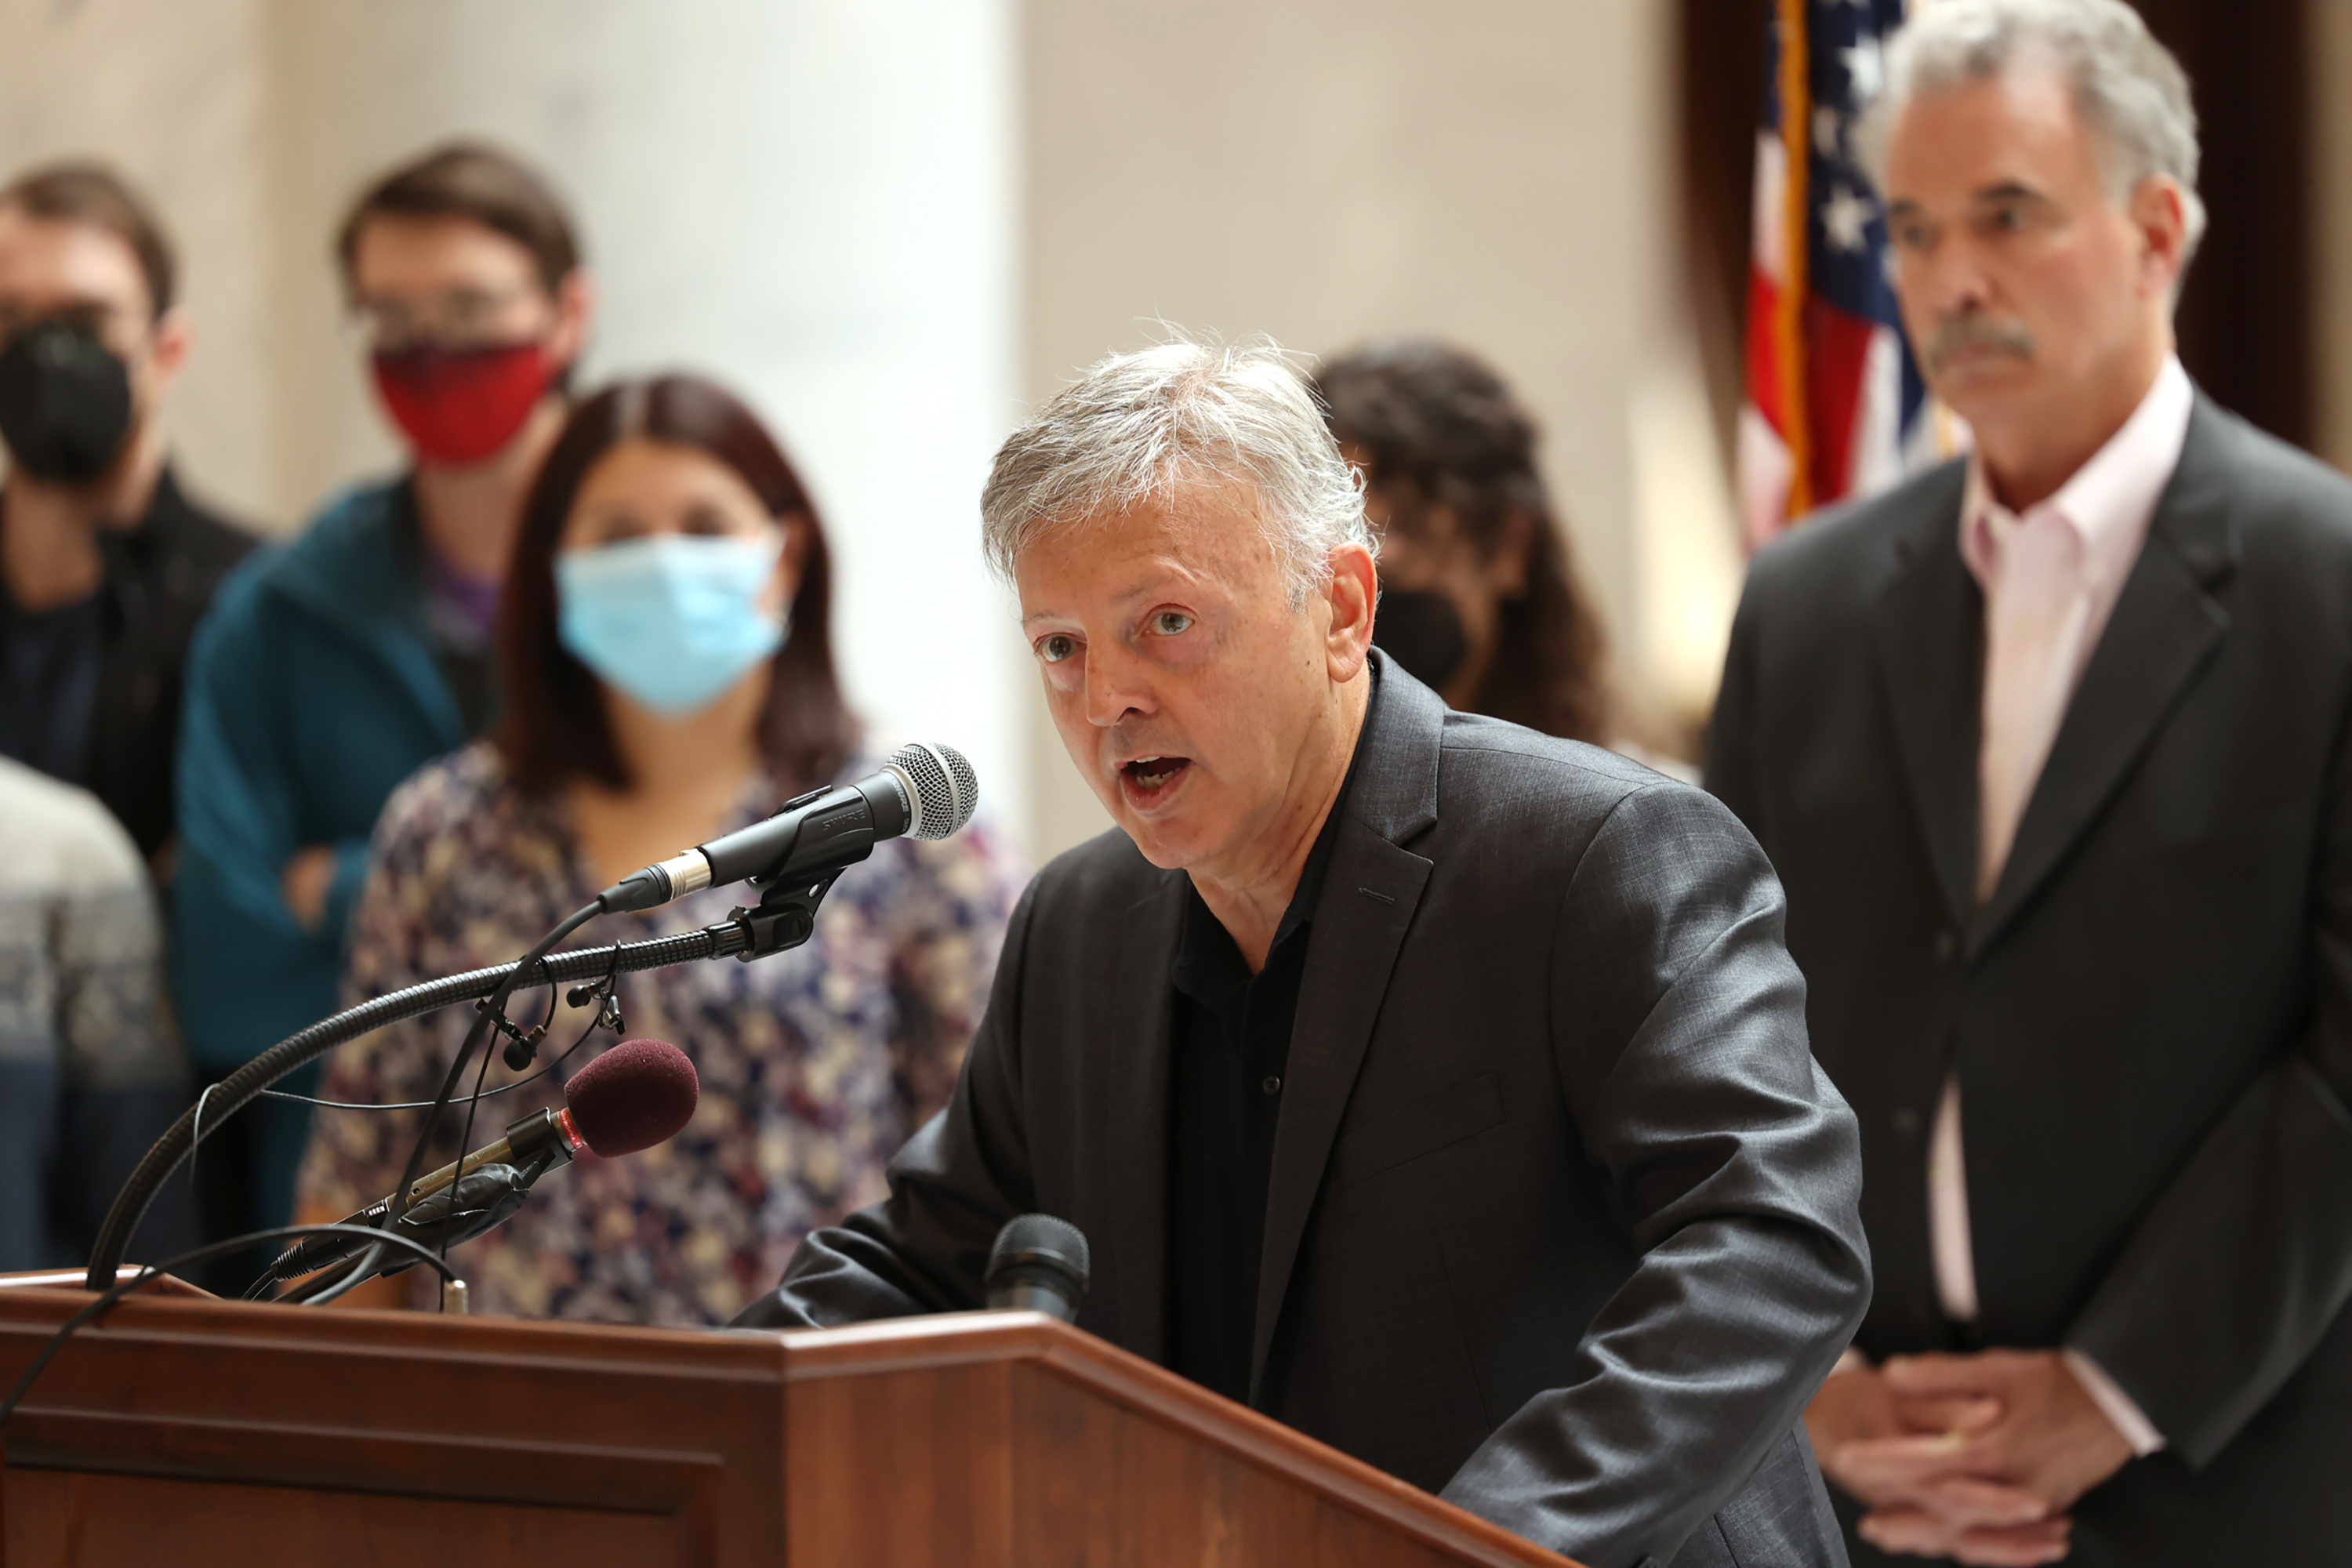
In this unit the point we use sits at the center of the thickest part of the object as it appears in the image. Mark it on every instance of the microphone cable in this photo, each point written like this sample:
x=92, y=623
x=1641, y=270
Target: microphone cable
x=724, y=939
x=465, y=1142
x=600, y=993
x=365, y=1266
x=206, y=1254
x=492, y=1008
x=934, y=787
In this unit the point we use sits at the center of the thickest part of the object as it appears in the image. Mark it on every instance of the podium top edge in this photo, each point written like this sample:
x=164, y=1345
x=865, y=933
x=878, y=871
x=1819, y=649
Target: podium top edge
x=71, y=1278
x=958, y=1339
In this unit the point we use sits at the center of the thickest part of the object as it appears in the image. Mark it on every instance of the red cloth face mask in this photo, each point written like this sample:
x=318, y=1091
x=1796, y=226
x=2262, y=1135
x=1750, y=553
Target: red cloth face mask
x=458, y=406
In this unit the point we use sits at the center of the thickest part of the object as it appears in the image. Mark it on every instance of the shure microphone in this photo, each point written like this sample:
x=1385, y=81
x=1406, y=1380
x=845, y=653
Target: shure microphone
x=928, y=791
x=1039, y=1264
x=638, y=1094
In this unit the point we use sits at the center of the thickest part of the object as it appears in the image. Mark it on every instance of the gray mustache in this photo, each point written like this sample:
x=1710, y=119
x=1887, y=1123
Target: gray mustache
x=1961, y=335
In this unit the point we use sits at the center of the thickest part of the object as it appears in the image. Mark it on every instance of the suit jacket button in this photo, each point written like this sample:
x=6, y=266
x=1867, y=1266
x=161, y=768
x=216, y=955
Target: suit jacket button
x=1906, y=1121
x=1272, y=1085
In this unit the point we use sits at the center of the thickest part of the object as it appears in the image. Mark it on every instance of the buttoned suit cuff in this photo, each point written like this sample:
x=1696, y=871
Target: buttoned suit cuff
x=2120, y=1409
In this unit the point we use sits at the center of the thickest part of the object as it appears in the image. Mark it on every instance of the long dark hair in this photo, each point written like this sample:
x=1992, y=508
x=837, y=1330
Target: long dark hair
x=554, y=726
x=1437, y=428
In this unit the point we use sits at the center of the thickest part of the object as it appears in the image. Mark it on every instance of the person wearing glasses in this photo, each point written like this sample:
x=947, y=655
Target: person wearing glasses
x=334, y=666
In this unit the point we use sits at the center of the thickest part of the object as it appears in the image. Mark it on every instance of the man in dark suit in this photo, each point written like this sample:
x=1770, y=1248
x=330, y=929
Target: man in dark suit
x=2049, y=746
x=1434, y=1086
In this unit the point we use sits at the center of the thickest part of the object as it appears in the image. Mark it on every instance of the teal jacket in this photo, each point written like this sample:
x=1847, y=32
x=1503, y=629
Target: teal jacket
x=312, y=689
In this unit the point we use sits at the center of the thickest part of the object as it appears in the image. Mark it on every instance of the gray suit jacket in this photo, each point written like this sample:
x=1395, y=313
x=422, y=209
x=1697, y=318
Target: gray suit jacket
x=1563, y=1219
x=2151, y=1017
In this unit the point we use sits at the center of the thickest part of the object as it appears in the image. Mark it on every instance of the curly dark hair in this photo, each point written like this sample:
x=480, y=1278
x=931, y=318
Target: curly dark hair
x=1436, y=427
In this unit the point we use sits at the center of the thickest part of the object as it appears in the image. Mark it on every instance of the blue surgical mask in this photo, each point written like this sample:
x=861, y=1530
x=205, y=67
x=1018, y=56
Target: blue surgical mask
x=672, y=619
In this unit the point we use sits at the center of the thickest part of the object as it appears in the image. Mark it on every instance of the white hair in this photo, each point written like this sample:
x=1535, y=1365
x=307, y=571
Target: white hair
x=1140, y=426
x=2127, y=85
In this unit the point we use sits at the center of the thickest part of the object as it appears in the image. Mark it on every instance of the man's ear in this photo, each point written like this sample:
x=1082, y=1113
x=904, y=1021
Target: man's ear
x=575, y=305
x=2160, y=210
x=171, y=340
x=1353, y=589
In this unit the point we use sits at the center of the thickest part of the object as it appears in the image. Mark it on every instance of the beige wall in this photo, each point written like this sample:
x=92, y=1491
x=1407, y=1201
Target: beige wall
x=1329, y=171
x=178, y=95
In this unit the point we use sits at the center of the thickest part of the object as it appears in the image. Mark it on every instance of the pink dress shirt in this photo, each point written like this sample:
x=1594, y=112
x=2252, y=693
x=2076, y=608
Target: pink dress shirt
x=2050, y=576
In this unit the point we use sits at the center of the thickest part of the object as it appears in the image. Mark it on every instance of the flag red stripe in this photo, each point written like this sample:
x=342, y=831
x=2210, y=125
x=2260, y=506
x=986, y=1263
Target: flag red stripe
x=1765, y=387
x=1837, y=346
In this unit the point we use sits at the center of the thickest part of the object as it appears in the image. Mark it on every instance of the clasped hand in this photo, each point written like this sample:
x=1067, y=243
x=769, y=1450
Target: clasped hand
x=1975, y=1458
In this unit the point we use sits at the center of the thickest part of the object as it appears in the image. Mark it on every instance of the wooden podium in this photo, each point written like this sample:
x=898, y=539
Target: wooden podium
x=198, y=1432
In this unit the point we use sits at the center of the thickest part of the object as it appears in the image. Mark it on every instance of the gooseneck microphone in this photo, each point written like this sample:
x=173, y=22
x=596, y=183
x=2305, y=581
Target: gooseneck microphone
x=1039, y=1264
x=928, y=791
x=638, y=1094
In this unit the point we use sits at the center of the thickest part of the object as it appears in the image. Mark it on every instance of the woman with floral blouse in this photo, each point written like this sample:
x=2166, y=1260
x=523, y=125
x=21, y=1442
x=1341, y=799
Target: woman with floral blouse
x=667, y=672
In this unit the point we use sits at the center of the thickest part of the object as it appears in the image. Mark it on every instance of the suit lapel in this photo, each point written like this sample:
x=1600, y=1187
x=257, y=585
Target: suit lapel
x=1142, y=1041
x=2165, y=626
x=1930, y=634
x=1371, y=892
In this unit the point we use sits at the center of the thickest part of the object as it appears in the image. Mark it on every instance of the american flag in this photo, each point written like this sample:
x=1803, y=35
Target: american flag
x=1835, y=407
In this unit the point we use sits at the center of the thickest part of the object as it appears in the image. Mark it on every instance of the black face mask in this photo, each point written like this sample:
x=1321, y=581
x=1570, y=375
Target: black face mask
x=1422, y=631
x=64, y=402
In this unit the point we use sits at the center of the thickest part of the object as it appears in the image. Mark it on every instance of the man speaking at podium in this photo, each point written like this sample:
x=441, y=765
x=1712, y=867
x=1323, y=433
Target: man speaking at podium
x=1434, y=1086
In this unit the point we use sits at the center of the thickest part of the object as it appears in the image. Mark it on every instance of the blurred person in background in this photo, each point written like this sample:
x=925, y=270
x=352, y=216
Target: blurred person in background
x=105, y=563
x=2049, y=746
x=90, y=1068
x=669, y=676
x=334, y=666
x=1480, y=599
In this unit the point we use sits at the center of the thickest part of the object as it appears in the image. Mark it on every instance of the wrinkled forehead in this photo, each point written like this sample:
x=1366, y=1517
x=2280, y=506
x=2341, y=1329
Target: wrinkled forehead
x=1198, y=537
x=2020, y=127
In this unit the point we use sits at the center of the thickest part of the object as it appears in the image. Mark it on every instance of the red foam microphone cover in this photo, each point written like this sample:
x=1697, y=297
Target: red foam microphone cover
x=638, y=1094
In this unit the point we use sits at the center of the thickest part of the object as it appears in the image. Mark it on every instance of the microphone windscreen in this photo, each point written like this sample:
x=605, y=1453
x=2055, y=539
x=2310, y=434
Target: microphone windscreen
x=638, y=1094
x=1042, y=1240
x=946, y=789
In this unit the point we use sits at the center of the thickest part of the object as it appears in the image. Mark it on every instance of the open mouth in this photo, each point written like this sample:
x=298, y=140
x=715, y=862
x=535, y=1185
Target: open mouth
x=1147, y=779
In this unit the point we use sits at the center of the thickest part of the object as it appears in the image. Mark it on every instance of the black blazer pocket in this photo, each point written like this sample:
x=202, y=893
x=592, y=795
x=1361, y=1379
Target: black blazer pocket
x=1449, y=1117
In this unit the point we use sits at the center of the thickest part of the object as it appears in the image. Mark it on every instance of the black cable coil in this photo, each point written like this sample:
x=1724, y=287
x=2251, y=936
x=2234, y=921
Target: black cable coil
x=241, y=1086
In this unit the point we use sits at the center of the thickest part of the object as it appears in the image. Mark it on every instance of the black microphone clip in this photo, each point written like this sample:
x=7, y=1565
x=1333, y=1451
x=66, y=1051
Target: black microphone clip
x=785, y=916
x=922, y=792
x=523, y=1045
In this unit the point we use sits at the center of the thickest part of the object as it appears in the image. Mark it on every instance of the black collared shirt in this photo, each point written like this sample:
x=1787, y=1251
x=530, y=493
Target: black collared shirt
x=1231, y=1048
